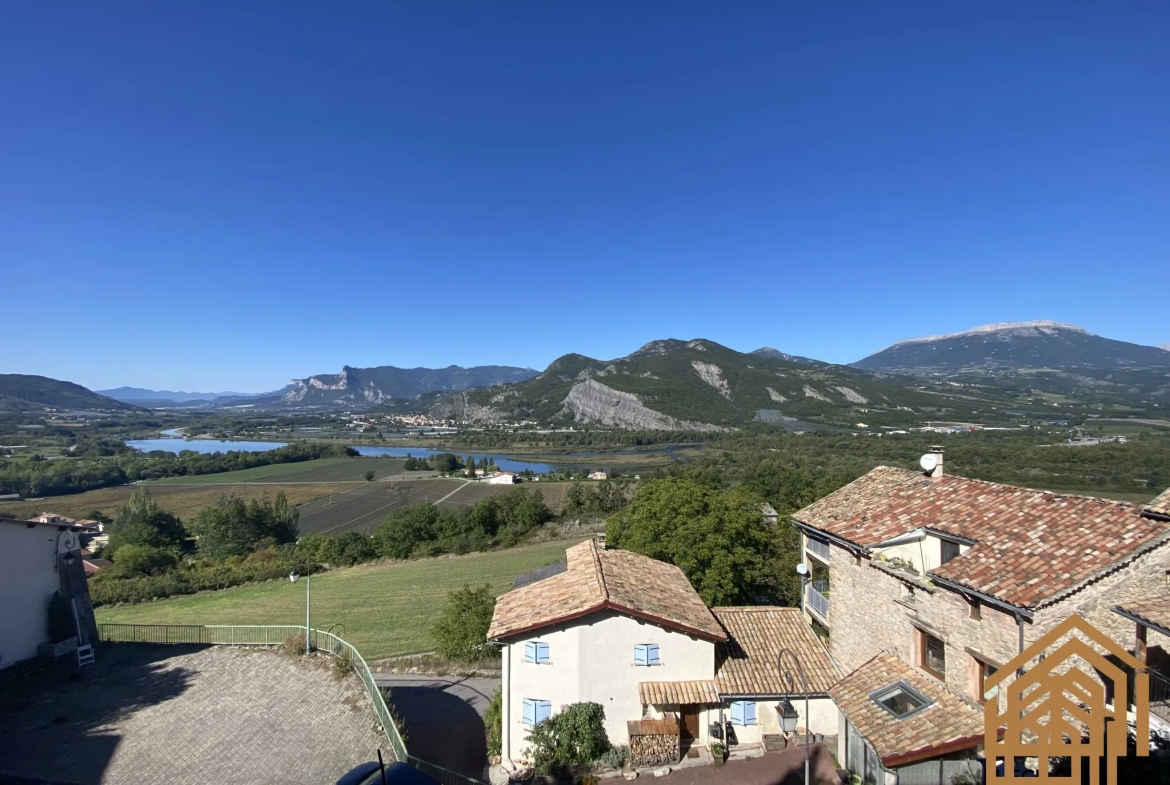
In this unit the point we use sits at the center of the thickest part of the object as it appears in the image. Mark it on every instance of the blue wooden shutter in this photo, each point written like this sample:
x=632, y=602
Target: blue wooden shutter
x=736, y=713
x=749, y=714
x=641, y=655
x=530, y=652
x=543, y=710
x=542, y=652
x=529, y=712
x=652, y=654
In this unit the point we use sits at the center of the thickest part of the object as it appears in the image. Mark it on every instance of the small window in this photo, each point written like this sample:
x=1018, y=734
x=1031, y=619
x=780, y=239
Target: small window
x=743, y=713
x=646, y=654
x=536, y=652
x=536, y=711
x=950, y=550
x=974, y=610
x=983, y=673
x=901, y=700
x=934, y=655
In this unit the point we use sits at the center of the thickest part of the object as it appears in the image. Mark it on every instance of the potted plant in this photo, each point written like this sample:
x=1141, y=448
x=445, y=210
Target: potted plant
x=718, y=754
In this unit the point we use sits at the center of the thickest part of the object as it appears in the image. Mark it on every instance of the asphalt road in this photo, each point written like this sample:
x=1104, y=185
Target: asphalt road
x=444, y=718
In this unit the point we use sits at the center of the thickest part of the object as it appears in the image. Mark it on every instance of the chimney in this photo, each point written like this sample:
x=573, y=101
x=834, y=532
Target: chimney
x=937, y=452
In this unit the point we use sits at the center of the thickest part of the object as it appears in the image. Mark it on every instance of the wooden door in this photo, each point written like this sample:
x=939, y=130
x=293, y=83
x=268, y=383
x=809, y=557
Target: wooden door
x=690, y=721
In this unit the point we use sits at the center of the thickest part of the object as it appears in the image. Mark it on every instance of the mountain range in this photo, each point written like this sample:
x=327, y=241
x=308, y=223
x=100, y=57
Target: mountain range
x=373, y=386
x=136, y=394
x=19, y=392
x=1015, y=345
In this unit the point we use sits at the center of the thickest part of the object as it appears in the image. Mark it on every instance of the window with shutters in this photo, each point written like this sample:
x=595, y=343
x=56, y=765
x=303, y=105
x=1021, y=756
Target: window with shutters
x=536, y=652
x=646, y=654
x=950, y=550
x=933, y=653
x=743, y=713
x=536, y=710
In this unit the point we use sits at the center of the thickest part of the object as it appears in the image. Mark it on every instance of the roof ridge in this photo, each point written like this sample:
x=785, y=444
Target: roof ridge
x=599, y=570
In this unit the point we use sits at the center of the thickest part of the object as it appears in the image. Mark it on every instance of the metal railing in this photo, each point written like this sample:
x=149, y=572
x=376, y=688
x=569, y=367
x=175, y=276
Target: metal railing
x=276, y=635
x=1160, y=695
x=818, y=603
x=818, y=548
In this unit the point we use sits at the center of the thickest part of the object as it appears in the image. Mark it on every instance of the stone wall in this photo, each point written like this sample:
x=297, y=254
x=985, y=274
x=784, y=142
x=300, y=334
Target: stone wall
x=871, y=611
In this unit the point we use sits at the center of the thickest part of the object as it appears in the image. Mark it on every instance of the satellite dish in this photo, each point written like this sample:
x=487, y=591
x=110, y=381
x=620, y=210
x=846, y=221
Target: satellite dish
x=802, y=568
x=928, y=462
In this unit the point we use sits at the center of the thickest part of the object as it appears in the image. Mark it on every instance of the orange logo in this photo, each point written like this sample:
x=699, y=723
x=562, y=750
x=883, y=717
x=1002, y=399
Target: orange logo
x=1056, y=709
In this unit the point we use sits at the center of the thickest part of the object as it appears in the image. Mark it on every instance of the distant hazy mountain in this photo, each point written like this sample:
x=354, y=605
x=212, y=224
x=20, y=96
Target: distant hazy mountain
x=776, y=354
x=1013, y=346
x=136, y=394
x=372, y=386
x=20, y=392
x=684, y=385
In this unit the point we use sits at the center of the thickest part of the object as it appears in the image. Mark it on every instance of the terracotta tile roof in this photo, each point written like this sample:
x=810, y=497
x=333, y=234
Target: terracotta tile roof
x=947, y=725
x=746, y=664
x=1160, y=505
x=599, y=579
x=658, y=693
x=1031, y=545
x=1154, y=611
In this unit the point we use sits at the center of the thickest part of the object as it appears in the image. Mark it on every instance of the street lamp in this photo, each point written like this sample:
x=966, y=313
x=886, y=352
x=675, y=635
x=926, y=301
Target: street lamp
x=292, y=576
x=788, y=714
x=802, y=568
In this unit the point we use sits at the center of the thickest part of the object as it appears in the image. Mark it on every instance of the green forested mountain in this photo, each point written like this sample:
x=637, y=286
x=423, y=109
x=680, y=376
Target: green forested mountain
x=701, y=385
x=19, y=392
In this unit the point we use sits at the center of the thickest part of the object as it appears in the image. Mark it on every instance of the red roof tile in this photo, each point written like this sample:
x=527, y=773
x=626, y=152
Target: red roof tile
x=601, y=579
x=1030, y=545
x=747, y=663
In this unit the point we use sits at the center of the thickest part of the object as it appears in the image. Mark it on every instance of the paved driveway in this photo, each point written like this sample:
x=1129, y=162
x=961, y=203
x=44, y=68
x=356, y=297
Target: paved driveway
x=183, y=714
x=444, y=718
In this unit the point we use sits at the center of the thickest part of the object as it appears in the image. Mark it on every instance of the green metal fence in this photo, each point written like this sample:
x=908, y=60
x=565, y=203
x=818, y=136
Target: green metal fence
x=275, y=635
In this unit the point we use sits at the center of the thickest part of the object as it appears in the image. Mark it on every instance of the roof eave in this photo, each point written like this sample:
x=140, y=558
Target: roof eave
x=838, y=540
x=1153, y=625
x=1108, y=569
x=1012, y=608
x=924, y=753
x=612, y=606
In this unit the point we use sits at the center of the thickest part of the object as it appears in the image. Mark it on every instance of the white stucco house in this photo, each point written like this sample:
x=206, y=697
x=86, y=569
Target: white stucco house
x=630, y=633
x=33, y=556
x=503, y=478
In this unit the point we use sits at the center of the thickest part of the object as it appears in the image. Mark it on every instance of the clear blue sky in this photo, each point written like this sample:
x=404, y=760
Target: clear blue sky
x=223, y=195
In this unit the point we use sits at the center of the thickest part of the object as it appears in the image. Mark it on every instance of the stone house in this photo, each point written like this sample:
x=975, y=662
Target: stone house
x=954, y=577
x=630, y=633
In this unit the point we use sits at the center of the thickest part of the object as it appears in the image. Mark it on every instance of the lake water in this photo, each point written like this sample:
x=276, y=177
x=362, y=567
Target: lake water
x=505, y=463
x=207, y=446
x=200, y=445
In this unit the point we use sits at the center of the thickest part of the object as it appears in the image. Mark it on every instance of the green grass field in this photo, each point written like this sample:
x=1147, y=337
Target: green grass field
x=320, y=470
x=387, y=609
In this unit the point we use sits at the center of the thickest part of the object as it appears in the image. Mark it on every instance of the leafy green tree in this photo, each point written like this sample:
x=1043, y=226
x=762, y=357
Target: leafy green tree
x=494, y=720
x=369, y=476
x=574, y=735
x=234, y=527
x=143, y=560
x=461, y=632
x=142, y=522
x=404, y=530
x=718, y=538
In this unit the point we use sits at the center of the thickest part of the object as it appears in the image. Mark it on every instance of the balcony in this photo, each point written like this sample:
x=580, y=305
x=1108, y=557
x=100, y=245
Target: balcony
x=818, y=548
x=817, y=601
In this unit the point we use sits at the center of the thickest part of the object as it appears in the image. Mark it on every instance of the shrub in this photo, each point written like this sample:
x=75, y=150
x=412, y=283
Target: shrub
x=369, y=476
x=494, y=720
x=461, y=632
x=60, y=618
x=133, y=560
x=615, y=757
x=107, y=588
x=295, y=645
x=343, y=664
x=575, y=734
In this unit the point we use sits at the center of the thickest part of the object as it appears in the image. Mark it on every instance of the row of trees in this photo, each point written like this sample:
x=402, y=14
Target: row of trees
x=52, y=478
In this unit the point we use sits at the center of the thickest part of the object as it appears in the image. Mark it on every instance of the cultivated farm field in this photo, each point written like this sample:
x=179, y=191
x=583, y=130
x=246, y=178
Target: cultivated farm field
x=184, y=501
x=386, y=609
x=316, y=471
x=363, y=507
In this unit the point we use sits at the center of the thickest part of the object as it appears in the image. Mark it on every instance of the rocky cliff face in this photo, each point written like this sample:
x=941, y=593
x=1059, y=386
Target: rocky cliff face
x=591, y=402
